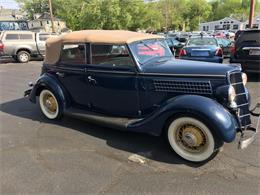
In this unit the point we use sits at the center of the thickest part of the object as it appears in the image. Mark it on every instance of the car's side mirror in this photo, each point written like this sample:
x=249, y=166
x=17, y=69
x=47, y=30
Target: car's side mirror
x=221, y=45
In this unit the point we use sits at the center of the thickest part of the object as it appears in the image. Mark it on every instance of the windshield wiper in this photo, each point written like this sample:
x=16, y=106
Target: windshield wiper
x=146, y=45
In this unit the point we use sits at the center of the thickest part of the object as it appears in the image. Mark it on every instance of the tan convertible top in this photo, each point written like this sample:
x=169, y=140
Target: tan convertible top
x=53, y=44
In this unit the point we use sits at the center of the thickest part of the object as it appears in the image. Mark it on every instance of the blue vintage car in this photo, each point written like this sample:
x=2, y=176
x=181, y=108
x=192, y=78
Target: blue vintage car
x=131, y=81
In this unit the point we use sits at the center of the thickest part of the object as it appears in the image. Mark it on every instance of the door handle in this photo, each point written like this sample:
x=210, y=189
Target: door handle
x=91, y=80
x=60, y=74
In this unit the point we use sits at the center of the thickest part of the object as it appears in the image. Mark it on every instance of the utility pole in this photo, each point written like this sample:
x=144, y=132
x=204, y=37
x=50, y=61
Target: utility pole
x=251, y=15
x=52, y=22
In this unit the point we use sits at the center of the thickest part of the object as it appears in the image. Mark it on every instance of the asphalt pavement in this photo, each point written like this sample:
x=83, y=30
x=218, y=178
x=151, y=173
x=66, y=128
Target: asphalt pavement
x=71, y=156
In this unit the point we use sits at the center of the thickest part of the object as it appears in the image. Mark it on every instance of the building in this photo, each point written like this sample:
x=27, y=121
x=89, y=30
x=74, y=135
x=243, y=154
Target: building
x=227, y=23
x=42, y=23
x=12, y=19
x=256, y=21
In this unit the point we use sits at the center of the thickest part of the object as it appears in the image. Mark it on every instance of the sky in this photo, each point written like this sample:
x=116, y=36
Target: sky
x=9, y=4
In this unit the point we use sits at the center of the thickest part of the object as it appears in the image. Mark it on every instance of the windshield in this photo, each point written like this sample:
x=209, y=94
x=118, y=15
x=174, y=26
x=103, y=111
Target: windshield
x=202, y=41
x=147, y=50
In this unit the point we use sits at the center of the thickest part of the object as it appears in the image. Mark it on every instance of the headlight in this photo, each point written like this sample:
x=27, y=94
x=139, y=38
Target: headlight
x=231, y=94
x=244, y=78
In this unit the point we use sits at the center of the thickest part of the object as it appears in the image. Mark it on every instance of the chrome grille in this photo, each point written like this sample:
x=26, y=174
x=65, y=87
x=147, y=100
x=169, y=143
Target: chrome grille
x=241, y=98
x=197, y=87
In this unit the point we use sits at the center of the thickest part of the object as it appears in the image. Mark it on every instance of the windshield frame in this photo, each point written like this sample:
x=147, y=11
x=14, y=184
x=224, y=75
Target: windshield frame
x=162, y=42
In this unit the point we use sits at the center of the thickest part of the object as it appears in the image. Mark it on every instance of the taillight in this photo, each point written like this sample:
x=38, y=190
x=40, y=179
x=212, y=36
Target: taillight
x=219, y=52
x=1, y=46
x=183, y=52
x=233, y=50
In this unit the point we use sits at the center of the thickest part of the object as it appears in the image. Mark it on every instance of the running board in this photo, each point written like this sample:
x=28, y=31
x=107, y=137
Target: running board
x=99, y=119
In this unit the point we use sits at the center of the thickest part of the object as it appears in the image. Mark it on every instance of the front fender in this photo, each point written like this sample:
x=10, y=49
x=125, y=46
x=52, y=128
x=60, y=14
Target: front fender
x=222, y=122
x=50, y=82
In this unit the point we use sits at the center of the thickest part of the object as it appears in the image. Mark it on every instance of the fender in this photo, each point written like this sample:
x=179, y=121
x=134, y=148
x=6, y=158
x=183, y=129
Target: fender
x=24, y=47
x=220, y=120
x=49, y=81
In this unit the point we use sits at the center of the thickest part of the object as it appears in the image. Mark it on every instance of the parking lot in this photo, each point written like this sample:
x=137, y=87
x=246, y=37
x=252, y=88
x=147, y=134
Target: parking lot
x=75, y=157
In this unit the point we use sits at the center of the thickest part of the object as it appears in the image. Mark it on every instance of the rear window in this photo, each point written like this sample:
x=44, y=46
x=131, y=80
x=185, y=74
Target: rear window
x=44, y=37
x=249, y=36
x=202, y=41
x=73, y=54
x=11, y=37
x=19, y=36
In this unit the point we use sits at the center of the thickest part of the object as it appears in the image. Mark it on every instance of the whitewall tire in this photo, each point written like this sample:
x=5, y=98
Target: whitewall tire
x=191, y=139
x=49, y=104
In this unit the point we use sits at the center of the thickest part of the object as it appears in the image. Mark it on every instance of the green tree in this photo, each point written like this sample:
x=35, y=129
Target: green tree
x=196, y=11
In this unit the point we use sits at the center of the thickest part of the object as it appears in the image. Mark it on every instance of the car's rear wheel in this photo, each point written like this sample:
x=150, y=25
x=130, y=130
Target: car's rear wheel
x=191, y=139
x=23, y=56
x=49, y=104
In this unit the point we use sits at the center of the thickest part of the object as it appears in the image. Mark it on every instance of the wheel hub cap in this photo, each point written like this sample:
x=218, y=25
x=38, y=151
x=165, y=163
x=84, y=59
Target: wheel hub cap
x=192, y=136
x=50, y=103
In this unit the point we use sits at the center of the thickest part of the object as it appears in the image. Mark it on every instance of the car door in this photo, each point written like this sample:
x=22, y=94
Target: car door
x=40, y=41
x=71, y=73
x=113, y=81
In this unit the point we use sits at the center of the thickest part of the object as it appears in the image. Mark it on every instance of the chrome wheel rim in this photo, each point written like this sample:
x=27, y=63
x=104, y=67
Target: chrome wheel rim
x=24, y=57
x=49, y=104
x=191, y=138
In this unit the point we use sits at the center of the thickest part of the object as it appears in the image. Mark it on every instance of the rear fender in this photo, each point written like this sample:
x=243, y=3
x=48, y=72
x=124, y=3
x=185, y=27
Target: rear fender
x=50, y=82
x=220, y=121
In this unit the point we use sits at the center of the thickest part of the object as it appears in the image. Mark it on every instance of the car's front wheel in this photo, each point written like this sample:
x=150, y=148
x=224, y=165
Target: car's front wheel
x=49, y=104
x=191, y=139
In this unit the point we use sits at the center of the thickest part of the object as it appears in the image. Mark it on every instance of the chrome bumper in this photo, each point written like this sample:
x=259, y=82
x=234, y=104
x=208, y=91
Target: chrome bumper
x=28, y=91
x=248, y=135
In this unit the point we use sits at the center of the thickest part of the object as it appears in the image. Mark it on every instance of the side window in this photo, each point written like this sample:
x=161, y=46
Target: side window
x=11, y=37
x=44, y=37
x=26, y=36
x=111, y=56
x=73, y=54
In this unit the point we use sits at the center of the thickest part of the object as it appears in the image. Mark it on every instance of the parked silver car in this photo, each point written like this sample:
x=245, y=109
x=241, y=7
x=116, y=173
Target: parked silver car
x=22, y=45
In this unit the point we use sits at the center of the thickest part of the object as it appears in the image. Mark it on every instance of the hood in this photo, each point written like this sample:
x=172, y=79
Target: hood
x=187, y=67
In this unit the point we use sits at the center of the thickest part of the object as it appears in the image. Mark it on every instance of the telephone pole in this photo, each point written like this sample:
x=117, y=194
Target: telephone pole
x=52, y=22
x=251, y=15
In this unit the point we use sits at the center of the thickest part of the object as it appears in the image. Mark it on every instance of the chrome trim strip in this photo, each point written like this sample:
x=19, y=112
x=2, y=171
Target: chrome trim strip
x=240, y=105
x=247, y=48
x=237, y=83
x=242, y=116
x=73, y=69
x=200, y=49
x=240, y=94
x=111, y=71
x=189, y=75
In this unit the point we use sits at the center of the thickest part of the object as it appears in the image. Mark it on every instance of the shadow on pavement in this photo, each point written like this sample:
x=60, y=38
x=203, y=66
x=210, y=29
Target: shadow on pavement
x=6, y=60
x=253, y=77
x=127, y=141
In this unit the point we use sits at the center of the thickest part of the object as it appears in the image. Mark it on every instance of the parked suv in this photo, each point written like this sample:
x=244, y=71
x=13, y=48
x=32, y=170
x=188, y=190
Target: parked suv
x=22, y=45
x=131, y=81
x=246, y=50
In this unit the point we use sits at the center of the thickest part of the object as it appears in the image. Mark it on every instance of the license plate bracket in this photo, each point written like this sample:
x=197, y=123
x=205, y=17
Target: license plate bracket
x=200, y=53
x=254, y=52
